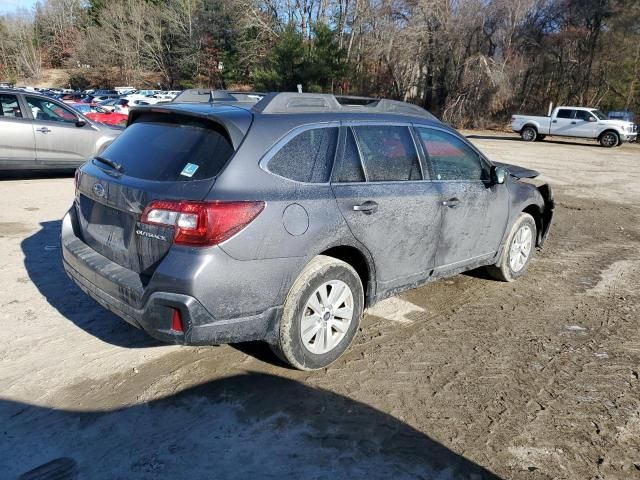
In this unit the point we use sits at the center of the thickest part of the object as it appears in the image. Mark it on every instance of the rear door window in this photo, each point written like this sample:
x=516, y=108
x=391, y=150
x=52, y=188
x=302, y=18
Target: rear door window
x=450, y=157
x=565, y=113
x=307, y=157
x=9, y=106
x=388, y=153
x=183, y=150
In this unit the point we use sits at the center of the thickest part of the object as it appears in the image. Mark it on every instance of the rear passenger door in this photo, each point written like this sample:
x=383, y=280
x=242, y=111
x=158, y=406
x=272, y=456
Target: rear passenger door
x=563, y=123
x=17, y=144
x=384, y=193
x=475, y=212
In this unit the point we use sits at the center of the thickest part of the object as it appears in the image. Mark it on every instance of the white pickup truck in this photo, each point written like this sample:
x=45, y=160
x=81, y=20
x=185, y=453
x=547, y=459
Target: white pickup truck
x=579, y=122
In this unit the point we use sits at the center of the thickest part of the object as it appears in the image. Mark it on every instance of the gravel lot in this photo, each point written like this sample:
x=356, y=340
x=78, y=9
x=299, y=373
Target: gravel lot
x=464, y=378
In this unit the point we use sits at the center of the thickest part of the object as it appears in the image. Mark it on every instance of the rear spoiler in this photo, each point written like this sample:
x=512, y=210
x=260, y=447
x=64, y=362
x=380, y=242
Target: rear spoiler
x=234, y=120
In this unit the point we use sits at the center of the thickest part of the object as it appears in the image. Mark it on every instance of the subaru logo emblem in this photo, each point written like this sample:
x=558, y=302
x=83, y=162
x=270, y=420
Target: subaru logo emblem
x=98, y=189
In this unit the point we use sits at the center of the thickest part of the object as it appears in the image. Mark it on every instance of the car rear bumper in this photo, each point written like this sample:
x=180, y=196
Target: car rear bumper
x=123, y=292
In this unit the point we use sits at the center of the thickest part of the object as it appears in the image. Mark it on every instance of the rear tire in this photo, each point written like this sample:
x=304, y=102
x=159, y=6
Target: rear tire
x=517, y=250
x=314, y=330
x=529, y=134
x=609, y=139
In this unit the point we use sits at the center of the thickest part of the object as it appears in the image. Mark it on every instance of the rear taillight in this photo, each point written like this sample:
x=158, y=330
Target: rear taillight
x=202, y=223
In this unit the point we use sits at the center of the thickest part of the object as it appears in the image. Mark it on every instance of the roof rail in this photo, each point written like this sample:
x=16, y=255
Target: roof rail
x=290, y=102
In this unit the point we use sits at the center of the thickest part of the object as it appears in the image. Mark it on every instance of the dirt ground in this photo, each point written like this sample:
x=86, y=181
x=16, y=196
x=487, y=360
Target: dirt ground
x=464, y=378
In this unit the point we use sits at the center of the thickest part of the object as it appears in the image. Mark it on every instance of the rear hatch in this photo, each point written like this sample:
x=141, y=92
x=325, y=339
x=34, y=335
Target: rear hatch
x=164, y=154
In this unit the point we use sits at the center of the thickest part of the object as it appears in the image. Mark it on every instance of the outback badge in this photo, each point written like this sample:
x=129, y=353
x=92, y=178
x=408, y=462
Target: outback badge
x=144, y=233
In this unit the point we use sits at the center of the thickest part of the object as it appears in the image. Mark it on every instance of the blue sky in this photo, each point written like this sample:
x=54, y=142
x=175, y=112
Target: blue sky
x=8, y=6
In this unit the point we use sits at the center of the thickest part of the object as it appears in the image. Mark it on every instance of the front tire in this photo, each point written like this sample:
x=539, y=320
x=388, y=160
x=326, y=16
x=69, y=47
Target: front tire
x=609, y=139
x=529, y=134
x=321, y=314
x=517, y=250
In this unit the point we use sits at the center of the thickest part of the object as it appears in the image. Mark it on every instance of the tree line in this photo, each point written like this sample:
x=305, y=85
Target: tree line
x=468, y=61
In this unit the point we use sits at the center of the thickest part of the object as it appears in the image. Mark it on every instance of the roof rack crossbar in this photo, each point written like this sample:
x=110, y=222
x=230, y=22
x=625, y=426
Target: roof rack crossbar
x=291, y=102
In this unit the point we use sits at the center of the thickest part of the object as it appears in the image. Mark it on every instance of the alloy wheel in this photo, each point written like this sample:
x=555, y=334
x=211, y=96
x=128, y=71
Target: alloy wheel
x=327, y=317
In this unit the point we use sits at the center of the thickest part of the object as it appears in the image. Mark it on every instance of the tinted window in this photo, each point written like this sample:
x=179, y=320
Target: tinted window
x=191, y=150
x=350, y=167
x=46, y=110
x=451, y=158
x=388, y=153
x=565, y=113
x=9, y=106
x=307, y=157
x=583, y=115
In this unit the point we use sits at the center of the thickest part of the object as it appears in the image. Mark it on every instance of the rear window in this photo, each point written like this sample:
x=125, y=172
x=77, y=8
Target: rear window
x=191, y=150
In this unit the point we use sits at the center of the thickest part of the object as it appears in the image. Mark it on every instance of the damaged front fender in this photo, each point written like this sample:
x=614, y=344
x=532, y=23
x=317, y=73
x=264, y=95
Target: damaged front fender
x=547, y=213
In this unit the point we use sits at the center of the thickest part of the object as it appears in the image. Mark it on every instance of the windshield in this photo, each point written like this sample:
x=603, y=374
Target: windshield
x=599, y=115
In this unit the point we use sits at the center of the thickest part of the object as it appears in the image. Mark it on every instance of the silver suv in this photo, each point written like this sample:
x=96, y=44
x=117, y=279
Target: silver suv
x=283, y=221
x=41, y=133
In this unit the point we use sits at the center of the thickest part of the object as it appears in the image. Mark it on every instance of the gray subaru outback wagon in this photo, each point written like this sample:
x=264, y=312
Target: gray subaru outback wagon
x=283, y=221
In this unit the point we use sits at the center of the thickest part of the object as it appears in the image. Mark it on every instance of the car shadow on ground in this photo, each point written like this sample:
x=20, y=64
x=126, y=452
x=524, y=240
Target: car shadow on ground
x=43, y=263
x=245, y=426
x=518, y=139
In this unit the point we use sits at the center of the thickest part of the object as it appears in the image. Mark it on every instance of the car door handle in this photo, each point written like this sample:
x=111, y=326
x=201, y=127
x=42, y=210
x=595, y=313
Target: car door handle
x=573, y=123
x=451, y=203
x=43, y=130
x=555, y=121
x=367, y=207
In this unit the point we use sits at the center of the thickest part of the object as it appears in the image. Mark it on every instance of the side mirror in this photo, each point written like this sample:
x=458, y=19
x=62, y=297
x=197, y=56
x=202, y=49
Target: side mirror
x=498, y=175
x=80, y=123
x=592, y=119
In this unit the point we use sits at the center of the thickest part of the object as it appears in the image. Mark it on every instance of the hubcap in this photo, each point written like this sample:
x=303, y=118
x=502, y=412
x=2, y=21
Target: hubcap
x=528, y=134
x=326, y=317
x=520, y=248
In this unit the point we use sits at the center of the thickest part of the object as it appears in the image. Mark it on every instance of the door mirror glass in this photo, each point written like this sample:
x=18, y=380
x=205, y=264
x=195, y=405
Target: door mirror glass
x=498, y=175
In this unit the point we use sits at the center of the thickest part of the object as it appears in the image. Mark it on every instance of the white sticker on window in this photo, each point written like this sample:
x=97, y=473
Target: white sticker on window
x=189, y=169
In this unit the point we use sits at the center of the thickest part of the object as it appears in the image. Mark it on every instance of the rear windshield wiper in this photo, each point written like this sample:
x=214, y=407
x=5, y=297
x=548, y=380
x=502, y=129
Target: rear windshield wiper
x=111, y=163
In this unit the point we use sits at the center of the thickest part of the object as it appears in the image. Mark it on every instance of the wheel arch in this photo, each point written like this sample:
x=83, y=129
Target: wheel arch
x=609, y=130
x=362, y=264
x=536, y=212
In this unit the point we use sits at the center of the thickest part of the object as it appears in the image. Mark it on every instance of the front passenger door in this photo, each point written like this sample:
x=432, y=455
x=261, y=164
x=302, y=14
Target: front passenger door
x=586, y=125
x=60, y=142
x=475, y=213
